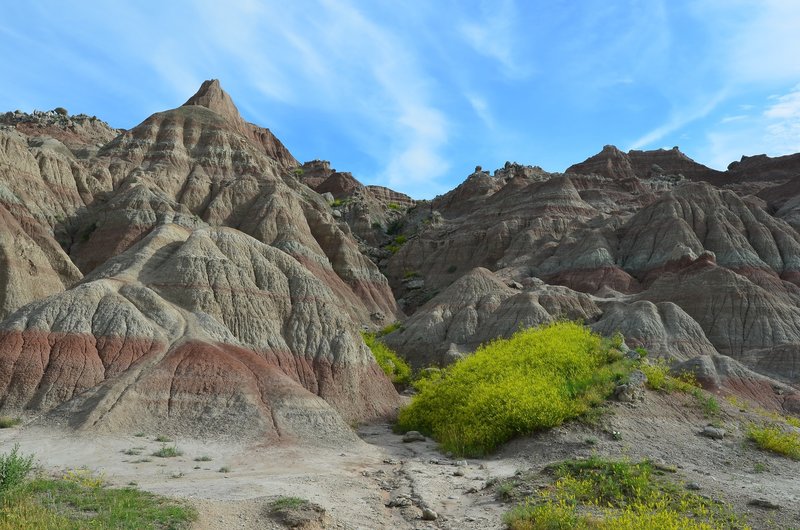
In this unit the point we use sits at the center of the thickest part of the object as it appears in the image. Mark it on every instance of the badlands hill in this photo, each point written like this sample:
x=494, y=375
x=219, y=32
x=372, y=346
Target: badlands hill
x=190, y=275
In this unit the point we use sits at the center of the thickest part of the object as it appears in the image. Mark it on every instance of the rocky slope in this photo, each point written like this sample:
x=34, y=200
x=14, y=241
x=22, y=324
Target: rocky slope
x=221, y=295
x=190, y=275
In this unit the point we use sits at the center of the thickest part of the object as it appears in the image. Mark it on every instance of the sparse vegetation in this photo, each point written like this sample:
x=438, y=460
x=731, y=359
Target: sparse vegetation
x=394, y=206
x=775, y=439
x=659, y=378
x=395, y=227
x=204, y=458
x=604, y=494
x=7, y=422
x=168, y=451
x=396, y=243
x=537, y=379
x=224, y=469
x=335, y=203
x=410, y=274
x=392, y=365
x=81, y=501
x=13, y=469
x=709, y=403
x=394, y=326
x=287, y=503
x=61, y=111
x=298, y=172
x=163, y=439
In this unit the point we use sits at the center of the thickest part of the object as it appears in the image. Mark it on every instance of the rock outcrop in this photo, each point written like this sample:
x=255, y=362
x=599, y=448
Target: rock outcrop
x=190, y=331
x=221, y=294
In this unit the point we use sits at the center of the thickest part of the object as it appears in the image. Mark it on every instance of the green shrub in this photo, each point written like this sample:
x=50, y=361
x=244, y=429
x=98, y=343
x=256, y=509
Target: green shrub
x=8, y=421
x=537, y=379
x=397, y=369
x=776, y=440
x=14, y=468
x=394, y=206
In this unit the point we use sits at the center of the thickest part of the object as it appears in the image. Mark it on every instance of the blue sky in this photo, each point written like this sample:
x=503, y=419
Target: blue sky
x=413, y=95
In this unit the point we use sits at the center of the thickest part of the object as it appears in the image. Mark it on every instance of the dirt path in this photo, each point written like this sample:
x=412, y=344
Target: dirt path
x=382, y=482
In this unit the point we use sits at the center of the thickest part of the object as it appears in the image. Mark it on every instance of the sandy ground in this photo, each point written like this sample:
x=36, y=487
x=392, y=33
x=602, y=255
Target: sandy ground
x=382, y=482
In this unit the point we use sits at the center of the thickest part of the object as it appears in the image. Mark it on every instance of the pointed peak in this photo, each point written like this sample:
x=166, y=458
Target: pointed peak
x=211, y=96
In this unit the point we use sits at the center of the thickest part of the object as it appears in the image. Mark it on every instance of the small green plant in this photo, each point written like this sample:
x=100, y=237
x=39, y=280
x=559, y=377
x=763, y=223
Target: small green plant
x=759, y=467
x=163, y=439
x=287, y=503
x=224, y=469
x=659, y=378
x=394, y=326
x=410, y=274
x=394, y=206
x=14, y=468
x=204, y=458
x=709, y=404
x=298, y=172
x=168, y=451
x=133, y=451
x=335, y=203
x=505, y=490
x=140, y=435
x=7, y=422
x=775, y=439
x=84, y=478
x=395, y=227
x=398, y=371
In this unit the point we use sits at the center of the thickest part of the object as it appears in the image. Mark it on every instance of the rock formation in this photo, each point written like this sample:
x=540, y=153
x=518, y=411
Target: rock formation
x=189, y=275
x=221, y=294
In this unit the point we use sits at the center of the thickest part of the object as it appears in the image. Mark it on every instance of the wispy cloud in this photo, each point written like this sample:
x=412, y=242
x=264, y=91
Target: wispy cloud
x=774, y=130
x=493, y=35
x=678, y=120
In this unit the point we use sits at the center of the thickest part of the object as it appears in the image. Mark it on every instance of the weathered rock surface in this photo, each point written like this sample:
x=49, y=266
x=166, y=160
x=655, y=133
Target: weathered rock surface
x=477, y=308
x=194, y=330
x=190, y=274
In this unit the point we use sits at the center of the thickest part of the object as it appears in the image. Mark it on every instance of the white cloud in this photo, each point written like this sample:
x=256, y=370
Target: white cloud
x=774, y=131
x=678, y=120
x=493, y=36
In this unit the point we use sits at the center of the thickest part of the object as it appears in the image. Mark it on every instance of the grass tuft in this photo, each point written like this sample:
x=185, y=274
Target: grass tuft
x=7, y=422
x=287, y=503
x=168, y=451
